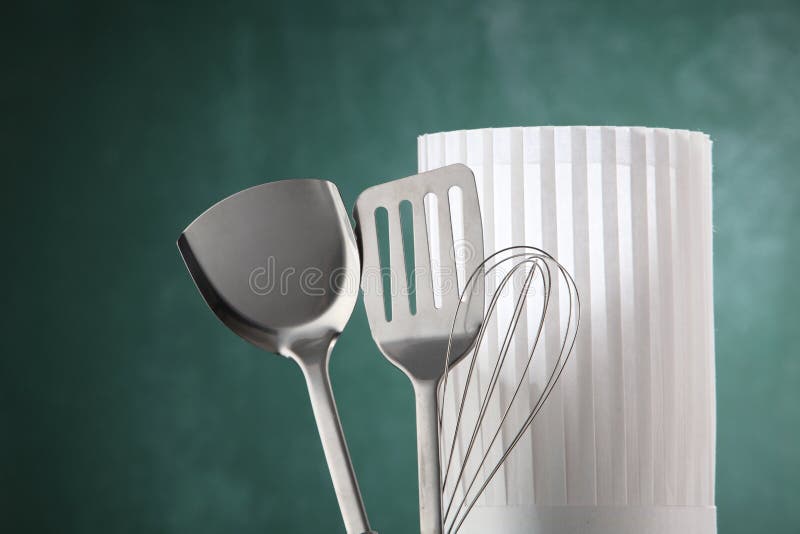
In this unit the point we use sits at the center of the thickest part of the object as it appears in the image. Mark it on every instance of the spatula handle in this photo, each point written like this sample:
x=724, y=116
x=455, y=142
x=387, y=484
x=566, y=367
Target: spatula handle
x=333, y=443
x=430, y=502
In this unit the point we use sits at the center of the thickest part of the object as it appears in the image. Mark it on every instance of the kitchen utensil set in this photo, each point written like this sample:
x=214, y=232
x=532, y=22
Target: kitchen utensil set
x=424, y=301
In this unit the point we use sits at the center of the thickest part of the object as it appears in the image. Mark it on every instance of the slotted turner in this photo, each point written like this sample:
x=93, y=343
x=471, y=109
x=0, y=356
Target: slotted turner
x=417, y=343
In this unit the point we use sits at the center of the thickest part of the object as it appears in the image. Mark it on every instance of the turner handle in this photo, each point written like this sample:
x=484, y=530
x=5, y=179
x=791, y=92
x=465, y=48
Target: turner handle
x=337, y=455
x=430, y=502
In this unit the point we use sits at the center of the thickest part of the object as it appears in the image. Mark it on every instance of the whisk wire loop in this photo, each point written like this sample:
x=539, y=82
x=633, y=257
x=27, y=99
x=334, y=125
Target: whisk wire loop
x=519, y=306
x=530, y=261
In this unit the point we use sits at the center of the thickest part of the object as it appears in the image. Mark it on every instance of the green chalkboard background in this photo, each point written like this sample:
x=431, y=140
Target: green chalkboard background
x=126, y=407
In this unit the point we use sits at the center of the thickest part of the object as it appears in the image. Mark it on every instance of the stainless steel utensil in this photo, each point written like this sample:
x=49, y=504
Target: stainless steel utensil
x=415, y=338
x=530, y=279
x=278, y=264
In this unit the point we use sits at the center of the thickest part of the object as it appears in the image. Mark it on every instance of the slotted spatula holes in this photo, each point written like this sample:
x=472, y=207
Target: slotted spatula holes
x=432, y=221
x=462, y=250
x=390, y=274
x=407, y=229
x=385, y=275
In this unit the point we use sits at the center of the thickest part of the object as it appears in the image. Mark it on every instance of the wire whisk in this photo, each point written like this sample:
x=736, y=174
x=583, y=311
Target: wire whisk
x=532, y=311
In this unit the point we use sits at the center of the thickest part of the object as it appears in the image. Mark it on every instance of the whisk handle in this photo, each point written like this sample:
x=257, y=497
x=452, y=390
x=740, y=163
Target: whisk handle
x=430, y=502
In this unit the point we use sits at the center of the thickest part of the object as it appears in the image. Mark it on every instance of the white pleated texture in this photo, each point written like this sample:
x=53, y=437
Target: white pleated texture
x=628, y=212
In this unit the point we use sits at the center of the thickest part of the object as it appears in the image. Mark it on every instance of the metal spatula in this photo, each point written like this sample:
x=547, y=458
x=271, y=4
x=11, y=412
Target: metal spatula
x=416, y=341
x=278, y=264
